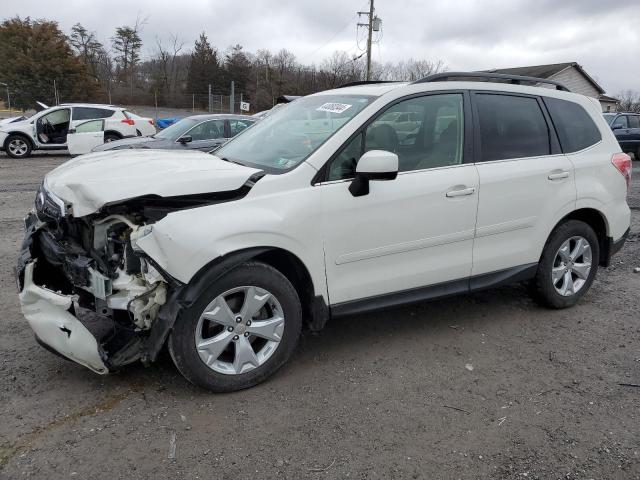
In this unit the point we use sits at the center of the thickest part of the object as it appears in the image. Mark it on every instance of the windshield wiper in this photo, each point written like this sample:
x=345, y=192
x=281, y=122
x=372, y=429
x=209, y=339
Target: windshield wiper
x=231, y=161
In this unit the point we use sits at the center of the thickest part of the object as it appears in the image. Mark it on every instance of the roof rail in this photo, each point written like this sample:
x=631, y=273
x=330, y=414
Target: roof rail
x=366, y=82
x=487, y=77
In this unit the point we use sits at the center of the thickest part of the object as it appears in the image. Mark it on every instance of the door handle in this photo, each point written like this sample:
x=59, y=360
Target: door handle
x=558, y=175
x=461, y=193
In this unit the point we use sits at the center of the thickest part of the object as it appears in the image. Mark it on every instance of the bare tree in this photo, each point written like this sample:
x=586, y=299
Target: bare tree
x=165, y=60
x=629, y=101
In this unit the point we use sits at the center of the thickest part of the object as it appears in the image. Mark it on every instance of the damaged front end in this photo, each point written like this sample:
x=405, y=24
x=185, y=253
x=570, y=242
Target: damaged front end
x=85, y=292
x=88, y=292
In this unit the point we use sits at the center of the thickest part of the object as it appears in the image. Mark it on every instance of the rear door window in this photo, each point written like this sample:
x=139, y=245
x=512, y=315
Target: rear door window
x=576, y=130
x=634, y=121
x=511, y=127
x=620, y=122
x=237, y=126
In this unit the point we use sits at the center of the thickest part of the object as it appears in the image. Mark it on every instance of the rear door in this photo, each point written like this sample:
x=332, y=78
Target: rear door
x=85, y=136
x=525, y=180
x=620, y=127
x=634, y=133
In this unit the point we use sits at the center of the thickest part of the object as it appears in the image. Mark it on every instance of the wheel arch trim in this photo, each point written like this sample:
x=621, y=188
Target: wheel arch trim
x=183, y=296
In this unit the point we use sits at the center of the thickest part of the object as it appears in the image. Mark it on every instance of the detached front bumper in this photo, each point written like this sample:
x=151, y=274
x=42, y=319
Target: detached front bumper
x=49, y=315
x=51, y=304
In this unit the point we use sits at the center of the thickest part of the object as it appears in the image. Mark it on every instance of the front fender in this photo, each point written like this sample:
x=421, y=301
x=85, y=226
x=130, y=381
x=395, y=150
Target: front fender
x=185, y=241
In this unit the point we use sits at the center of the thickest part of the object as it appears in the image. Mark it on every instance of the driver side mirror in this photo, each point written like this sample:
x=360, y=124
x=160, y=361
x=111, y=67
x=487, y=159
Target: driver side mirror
x=373, y=165
x=185, y=139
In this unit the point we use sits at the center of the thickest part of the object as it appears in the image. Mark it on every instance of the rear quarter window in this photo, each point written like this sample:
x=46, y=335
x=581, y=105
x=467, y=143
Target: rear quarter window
x=90, y=113
x=575, y=127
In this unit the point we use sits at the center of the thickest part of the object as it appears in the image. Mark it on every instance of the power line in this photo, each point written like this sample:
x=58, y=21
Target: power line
x=332, y=38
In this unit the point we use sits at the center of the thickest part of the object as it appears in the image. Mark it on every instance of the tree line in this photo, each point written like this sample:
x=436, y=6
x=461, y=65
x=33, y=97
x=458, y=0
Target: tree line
x=35, y=53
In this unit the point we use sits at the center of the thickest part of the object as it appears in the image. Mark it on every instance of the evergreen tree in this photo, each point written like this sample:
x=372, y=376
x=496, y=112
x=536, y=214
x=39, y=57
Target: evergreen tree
x=34, y=53
x=204, y=67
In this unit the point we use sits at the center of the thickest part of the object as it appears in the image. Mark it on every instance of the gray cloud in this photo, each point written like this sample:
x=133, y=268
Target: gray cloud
x=466, y=34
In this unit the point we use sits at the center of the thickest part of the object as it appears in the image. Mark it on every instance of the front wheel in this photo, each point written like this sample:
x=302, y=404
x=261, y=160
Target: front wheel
x=240, y=331
x=18, y=146
x=568, y=265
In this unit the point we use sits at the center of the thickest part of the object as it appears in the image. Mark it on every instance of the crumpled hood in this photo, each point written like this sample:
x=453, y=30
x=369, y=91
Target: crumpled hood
x=91, y=181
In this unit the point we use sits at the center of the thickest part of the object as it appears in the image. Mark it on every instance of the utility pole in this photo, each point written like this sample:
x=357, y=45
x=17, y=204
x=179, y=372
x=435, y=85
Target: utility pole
x=370, y=33
x=372, y=25
x=232, y=97
x=8, y=96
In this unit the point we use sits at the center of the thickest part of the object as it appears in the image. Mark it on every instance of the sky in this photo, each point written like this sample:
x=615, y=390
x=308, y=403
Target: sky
x=601, y=35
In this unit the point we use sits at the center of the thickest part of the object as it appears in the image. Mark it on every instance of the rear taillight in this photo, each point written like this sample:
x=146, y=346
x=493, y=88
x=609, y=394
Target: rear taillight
x=152, y=122
x=128, y=121
x=622, y=162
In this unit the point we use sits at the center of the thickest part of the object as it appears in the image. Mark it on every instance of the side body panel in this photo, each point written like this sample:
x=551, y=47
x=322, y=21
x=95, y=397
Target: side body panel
x=599, y=185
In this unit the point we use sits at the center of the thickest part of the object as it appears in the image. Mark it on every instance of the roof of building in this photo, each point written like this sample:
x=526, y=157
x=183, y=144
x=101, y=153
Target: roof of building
x=547, y=71
x=607, y=98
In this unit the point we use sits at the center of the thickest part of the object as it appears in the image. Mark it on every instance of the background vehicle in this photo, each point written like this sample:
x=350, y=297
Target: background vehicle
x=319, y=211
x=198, y=132
x=626, y=128
x=49, y=129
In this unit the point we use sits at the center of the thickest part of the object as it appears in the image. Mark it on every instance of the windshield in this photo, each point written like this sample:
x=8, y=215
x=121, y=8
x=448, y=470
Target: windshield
x=176, y=130
x=285, y=139
x=609, y=117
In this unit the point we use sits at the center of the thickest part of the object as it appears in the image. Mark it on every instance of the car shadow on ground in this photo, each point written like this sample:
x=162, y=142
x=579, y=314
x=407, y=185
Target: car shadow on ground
x=436, y=321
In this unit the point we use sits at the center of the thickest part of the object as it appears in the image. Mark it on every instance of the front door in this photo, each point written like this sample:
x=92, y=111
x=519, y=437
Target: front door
x=52, y=128
x=414, y=231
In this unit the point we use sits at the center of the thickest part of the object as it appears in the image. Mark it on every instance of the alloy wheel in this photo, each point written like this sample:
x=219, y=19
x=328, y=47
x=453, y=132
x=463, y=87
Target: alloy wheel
x=18, y=147
x=571, y=266
x=239, y=330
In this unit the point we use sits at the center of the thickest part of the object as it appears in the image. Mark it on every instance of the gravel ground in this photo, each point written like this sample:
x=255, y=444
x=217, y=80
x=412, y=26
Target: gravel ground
x=487, y=385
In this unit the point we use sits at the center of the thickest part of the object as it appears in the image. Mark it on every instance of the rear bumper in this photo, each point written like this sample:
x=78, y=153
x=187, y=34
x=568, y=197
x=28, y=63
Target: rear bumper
x=612, y=247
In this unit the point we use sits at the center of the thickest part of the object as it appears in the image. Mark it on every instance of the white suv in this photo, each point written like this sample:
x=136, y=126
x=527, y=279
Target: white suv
x=226, y=258
x=62, y=128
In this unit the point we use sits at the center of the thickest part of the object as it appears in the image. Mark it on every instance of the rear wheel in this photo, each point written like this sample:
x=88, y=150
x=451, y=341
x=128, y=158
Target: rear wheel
x=568, y=265
x=18, y=146
x=240, y=331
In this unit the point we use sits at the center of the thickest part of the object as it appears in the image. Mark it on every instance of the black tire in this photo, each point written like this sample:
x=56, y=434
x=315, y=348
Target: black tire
x=23, y=141
x=111, y=137
x=543, y=287
x=182, y=345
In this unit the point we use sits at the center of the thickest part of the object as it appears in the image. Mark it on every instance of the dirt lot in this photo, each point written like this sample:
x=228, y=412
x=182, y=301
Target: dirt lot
x=380, y=396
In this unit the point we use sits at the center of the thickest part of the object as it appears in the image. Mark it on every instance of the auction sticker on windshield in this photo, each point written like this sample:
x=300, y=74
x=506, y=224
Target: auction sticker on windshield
x=333, y=107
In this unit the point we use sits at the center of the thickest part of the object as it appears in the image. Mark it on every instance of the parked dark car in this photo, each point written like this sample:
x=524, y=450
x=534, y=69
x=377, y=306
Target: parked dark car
x=198, y=132
x=626, y=128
